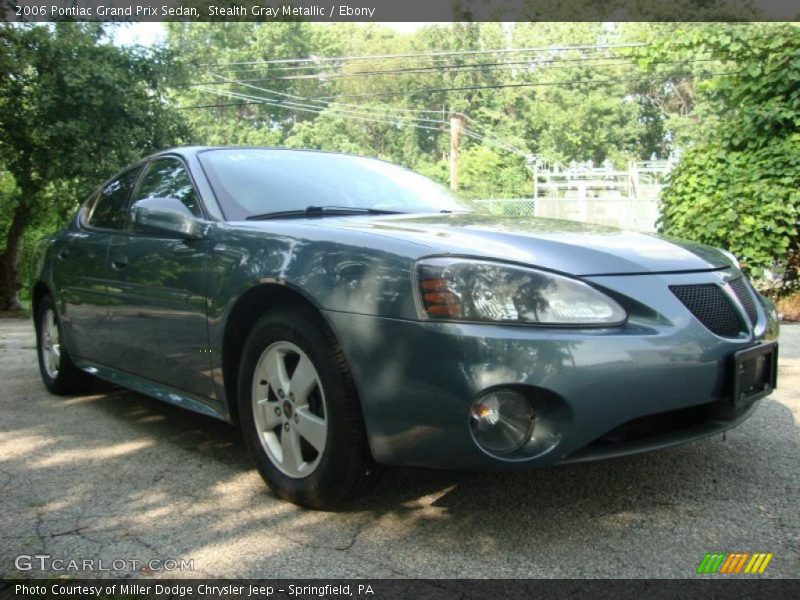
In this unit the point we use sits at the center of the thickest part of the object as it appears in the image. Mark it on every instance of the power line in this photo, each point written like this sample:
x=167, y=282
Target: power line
x=507, y=85
x=326, y=99
x=432, y=63
x=334, y=108
x=539, y=65
x=332, y=70
x=320, y=109
x=316, y=109
x=316, y=62
x=492, y=142
x=225, y=105
x=487, y=136
x=360, y=114
x=304, y=98
x=239, y=68
x=322, y=100
x=327, y=59
x=408, y=70
x=396, y=121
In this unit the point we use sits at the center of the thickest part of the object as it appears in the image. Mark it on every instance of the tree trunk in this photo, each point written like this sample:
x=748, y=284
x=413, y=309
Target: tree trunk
x=9, y=260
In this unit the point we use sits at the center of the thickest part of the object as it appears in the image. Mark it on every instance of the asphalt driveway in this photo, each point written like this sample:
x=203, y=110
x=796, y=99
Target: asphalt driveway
x=118, y=476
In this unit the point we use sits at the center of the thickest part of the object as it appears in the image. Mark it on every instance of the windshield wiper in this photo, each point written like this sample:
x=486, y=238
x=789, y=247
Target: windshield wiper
x=321, y=211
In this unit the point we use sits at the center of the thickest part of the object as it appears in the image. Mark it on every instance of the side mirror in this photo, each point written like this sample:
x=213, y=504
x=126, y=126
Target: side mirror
x=166, y=215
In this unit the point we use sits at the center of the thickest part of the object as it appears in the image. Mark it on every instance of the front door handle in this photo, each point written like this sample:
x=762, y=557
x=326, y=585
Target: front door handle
x=119, y=262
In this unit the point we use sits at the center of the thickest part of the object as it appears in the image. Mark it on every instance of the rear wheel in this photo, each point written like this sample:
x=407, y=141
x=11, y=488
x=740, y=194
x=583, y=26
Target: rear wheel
x=300, y=413
x=59, y=373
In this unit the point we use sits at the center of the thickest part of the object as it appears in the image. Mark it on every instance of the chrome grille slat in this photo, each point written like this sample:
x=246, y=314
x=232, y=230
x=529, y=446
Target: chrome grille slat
x=745, y=296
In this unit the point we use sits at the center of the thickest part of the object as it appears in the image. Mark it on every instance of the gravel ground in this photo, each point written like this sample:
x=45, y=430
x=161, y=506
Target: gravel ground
x=116, y=475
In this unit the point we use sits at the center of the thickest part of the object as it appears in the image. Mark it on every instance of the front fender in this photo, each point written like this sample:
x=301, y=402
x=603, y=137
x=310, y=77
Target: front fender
x=335, y=271
x=39, y=269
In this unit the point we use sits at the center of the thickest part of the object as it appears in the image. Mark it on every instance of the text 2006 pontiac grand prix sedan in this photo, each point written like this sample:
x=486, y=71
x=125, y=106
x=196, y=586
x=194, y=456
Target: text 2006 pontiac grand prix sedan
x=348, y=313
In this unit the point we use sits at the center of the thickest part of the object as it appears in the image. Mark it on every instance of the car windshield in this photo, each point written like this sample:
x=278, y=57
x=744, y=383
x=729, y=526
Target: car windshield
x=256, y=182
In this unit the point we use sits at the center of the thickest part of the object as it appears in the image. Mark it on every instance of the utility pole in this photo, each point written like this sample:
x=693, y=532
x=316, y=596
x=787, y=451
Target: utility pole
x=532, y=162
x=456, y=123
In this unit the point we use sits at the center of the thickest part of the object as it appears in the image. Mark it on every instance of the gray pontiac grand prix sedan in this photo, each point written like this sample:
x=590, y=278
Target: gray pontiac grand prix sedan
x=347, y=313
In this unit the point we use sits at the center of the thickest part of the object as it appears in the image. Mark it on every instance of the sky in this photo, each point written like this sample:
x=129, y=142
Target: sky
x=147, y=34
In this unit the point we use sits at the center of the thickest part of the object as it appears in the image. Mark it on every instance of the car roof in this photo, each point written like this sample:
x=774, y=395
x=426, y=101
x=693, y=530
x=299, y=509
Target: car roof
x=186, y=151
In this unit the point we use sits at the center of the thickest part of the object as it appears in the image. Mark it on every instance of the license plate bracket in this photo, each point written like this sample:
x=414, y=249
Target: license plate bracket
x=755, y=373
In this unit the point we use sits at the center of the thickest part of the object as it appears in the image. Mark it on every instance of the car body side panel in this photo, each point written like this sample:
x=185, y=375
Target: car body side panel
x=158, y=311
x=80, y=282
x=157, y=389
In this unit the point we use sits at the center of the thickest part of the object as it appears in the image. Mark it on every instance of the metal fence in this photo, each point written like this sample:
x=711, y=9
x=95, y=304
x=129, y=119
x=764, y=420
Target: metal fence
x=638, y=215
x=513, y=207
x=603, y=195
x=641, y=180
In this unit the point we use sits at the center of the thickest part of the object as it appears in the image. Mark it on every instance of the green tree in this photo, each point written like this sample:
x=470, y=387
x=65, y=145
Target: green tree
x=397, y=108
x=73, y=109
x=738, y=185
x=600, y=102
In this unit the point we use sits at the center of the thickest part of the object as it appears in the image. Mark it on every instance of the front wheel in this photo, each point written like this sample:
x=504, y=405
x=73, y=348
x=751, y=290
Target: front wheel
x=300, y=413
x=59, y=373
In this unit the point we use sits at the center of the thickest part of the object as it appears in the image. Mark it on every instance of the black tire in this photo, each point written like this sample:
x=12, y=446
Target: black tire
x=69, y=379
x=345, y=467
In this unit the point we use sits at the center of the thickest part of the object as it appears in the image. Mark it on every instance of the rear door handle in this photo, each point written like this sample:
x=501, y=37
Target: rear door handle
x=62, y=254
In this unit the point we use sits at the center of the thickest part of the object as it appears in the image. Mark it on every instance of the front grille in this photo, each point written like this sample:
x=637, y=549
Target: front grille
x=711, y=306
x=745, y=296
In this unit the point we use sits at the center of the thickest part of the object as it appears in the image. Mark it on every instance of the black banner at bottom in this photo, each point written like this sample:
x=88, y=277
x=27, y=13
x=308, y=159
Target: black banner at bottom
x=393, y=589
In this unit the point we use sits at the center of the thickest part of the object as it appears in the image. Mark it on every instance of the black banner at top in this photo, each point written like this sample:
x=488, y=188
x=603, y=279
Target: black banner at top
x=393, y=10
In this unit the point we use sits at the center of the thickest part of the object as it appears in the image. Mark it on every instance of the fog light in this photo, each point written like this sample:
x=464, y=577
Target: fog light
x=501, y=421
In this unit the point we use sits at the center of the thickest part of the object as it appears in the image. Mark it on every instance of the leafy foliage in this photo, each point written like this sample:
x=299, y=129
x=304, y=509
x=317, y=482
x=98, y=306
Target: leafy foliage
x=600, y=117
x=73, y=109
x=738, y=186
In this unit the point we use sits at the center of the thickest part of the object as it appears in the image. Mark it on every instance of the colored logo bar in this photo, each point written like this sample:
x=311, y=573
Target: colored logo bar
x=734, y=563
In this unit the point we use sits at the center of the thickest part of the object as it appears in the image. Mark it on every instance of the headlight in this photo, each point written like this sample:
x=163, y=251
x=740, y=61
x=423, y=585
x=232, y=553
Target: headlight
x=474, y=290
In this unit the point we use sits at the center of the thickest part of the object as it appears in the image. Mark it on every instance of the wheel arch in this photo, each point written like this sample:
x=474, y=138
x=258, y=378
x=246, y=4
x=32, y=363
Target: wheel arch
x=248, y=308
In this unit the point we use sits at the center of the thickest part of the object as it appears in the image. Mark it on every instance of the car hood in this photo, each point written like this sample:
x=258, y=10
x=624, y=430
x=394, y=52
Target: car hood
x=566, y=246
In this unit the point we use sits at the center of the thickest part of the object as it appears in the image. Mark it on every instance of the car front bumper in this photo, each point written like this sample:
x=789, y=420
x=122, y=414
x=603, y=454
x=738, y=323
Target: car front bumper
x=661, y=379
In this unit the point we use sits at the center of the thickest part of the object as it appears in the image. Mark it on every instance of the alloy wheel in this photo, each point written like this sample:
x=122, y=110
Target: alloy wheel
x=50, y=342
x=289, y=409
